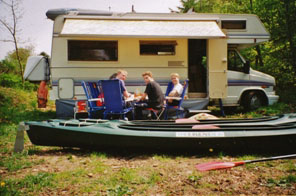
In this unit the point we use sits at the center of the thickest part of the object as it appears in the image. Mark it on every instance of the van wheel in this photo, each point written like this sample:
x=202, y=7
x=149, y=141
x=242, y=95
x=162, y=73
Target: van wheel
x=252, y=101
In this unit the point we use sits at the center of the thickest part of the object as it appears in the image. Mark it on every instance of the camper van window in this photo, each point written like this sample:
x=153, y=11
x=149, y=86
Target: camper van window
x=92, y=50
x=235, y=63
x=157, y=47
x=234, y=24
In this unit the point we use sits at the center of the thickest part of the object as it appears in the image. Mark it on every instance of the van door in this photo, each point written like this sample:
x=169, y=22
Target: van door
x=66, y=88
x=197, y=67
x=217, y=64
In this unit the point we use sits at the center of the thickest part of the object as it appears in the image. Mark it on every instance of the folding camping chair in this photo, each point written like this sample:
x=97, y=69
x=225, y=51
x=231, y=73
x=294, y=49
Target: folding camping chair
x=178, y=108
x=113, y=99
x=94, y=103
x=156, y=112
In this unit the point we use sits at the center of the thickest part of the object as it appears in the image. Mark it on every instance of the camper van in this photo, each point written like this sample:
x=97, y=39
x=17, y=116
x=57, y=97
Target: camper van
x=204, y=48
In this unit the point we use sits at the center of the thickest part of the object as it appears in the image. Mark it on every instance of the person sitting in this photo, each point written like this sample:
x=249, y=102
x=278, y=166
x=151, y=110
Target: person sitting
x=113, y=76
x=154, y=94
x=176, y=91
x=153, y=91
x=121, y=76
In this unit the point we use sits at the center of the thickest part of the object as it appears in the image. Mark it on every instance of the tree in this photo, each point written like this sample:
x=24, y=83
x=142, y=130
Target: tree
x=187, y=5
x=198, y=6
x=11, y=24
x=10, y=63
x=279, y=16
x=6, y=67
x=22, y=56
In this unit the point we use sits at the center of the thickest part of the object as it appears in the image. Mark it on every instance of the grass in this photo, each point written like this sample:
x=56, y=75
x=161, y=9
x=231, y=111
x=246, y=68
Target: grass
x=195, y=180
x=161, y=157
x=16, y=162
x=101, y=155
x=114, y=182
x=58, y=171
x=29, y=185
x=286, y=181
x=18, y=105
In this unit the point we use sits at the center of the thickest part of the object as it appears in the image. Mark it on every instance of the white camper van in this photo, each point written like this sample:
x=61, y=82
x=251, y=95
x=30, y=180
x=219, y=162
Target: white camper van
x=204, y=48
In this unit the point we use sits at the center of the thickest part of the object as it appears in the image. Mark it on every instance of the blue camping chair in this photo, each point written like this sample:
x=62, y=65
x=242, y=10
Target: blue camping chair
x=113, y=99
x=92, y=92
x=178, y=108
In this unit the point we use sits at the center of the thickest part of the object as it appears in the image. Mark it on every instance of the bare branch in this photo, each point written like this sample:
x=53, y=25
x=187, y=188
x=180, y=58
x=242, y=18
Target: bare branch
x=4, y=2
x=6, y=40
x=6, y=25
x=12, y=27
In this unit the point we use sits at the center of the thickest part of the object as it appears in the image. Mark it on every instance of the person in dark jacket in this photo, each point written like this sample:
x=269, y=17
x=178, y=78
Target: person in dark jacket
x=153, y=92
x=152, y=97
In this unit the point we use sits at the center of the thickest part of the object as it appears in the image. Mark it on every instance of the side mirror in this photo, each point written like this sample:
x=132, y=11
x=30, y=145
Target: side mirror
x=247, y=67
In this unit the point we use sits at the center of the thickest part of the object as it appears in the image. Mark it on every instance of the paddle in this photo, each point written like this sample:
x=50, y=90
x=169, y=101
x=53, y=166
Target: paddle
x=225, y=165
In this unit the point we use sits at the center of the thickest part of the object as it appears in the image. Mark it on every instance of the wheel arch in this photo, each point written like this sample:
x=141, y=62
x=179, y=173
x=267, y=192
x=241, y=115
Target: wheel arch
x=245, y=92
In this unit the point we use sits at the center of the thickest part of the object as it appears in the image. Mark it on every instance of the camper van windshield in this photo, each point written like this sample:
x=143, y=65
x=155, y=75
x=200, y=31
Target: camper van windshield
x=235, y=63
x=92, y=50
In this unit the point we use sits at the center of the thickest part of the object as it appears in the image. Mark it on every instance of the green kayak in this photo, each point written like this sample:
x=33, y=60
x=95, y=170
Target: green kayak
x=276, y=133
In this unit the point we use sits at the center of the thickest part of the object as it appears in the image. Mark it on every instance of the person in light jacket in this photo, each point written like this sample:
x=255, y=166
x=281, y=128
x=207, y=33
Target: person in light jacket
x=176, y=91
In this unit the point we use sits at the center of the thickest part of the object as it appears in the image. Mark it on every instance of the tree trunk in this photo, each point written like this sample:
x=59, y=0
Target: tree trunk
x=19, y=62
x=259, y=56
x=259, y=60
x=13, y=32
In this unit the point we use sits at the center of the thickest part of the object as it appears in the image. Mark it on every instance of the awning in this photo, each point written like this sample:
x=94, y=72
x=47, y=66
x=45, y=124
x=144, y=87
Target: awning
x=128, y=28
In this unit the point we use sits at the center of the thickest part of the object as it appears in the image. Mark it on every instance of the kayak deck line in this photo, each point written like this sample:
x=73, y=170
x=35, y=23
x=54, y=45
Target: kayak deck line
x=219, y=128
x=216, y=124
x=188, y=127
x=209, y=121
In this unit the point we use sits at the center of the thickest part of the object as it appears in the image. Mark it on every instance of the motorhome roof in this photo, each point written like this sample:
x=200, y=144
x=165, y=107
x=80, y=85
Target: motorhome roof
x=81, y=13
x=251, y=31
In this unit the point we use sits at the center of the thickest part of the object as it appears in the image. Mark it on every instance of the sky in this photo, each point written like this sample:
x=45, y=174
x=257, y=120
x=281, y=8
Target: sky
x=36, y=29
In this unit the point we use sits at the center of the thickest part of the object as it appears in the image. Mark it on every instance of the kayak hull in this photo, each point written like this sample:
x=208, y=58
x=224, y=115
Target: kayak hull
x=129, y=135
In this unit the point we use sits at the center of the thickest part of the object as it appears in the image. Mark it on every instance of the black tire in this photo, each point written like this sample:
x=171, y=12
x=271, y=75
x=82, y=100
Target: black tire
x=253, y=100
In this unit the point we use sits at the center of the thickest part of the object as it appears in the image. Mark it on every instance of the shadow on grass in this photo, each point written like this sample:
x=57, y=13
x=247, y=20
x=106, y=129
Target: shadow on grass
x=142, y=154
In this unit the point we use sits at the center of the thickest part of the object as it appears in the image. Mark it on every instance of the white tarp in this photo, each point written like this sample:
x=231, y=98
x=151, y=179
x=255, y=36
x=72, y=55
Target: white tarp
x=127, y=28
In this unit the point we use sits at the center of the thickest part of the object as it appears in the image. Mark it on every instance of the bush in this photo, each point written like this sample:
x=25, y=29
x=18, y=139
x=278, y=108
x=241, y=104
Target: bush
x=8, y=67
x=10, y=80
x=15, y=81
x=10, y=105
x=30, y=86
x=287, y=95
x=18, y=105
